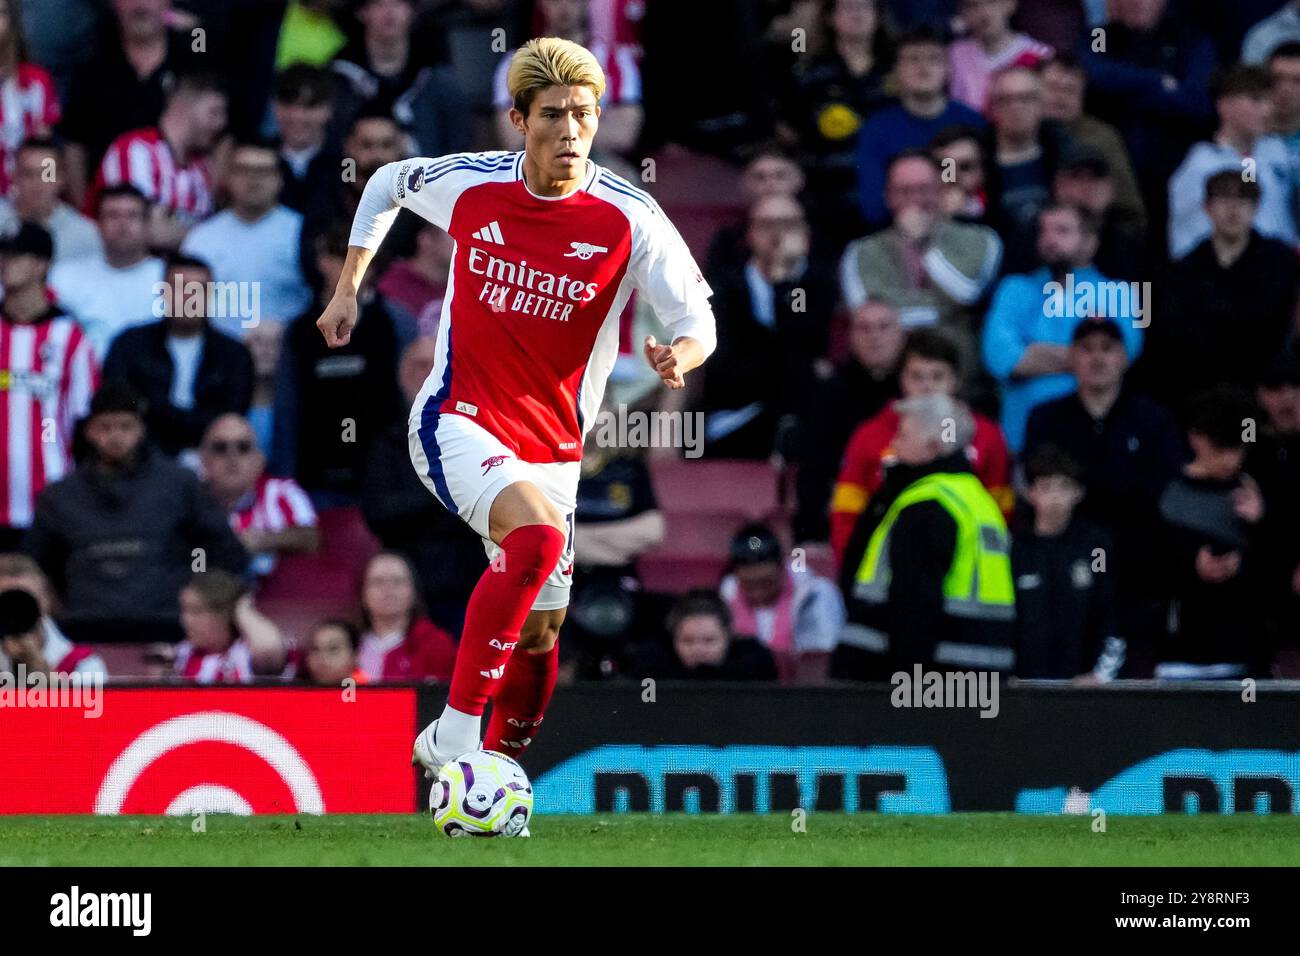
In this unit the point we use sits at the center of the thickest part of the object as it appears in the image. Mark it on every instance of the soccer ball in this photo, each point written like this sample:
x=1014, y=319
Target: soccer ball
x=481, y=793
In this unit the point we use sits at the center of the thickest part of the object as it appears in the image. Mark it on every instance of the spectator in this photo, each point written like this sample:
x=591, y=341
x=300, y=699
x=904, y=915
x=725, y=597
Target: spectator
x=169, y=163
x=702, y=646
x=793, y=611
x=934, y=583
x=119, y=535
x=1269, y=34
x=447, y=556
x=48, y=371
x=1084, y=178
x=49, y=651
x=303, y=105
x=1275, y=461
x=1065, y=84
x=1066, y=621
x=829, y=96
x=1229, y=305
x=990, y=47
x=616, y=521
x=859, y=387
x=1211, y=517
x=265, y=342
x=255, y=241
x=331, y=404
x=1152, y=81
x=34, y=197
x=331, y=657
x=769, y=172
x=1025, y=156
x=123, y=86
x=923, y=110
x=928, y=267
x=1033, y=316
x=773, y=324
x=930, y=366
x=388, y=70
x=1126, y=446
x=418, y=283
x=116, y=288
x=272, y=516
x=187, y=372
x=959, y=151
x=31, y=104
x=398, y=642
x=1241, y=97
x=621, y=115
x=1284, y=97
x=227, y=640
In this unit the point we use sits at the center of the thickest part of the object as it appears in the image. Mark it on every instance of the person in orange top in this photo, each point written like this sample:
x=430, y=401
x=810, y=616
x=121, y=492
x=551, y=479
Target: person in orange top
x=929, y=365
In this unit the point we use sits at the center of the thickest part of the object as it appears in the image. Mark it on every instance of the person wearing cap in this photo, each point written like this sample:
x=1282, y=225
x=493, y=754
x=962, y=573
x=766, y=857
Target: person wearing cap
x=47, y=375
x=1228, y=306
x=1243, y=145
x=1085, y=179
x=933, y=586
x=1065, y=85
x=1033, y=316
x=122, y=533
x=794, y=612
x=44, y=648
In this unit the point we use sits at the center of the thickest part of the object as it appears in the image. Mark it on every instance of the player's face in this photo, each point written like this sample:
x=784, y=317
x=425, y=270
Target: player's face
x=330, y=658
x=700, y=641
x=559, y=129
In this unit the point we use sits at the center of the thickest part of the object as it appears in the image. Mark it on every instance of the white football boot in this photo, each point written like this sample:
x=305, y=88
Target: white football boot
x=427, y=755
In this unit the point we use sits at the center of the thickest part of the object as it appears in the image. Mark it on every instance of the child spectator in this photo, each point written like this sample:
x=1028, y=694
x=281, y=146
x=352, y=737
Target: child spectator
x=1211, y=517
x=331, y=657
x=399, y=642
x=703, y=646
x=227, y=640
x=1065, y=601
x=991, y=46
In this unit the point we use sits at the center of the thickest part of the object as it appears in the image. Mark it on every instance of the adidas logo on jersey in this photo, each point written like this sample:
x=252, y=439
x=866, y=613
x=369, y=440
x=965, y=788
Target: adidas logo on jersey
x=491, y=233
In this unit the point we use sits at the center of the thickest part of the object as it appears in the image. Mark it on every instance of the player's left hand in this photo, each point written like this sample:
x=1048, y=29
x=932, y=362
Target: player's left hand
x=663, y=359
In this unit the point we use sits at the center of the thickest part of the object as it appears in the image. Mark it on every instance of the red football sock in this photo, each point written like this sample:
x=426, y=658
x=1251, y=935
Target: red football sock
x=496, y=612
x=520, y=701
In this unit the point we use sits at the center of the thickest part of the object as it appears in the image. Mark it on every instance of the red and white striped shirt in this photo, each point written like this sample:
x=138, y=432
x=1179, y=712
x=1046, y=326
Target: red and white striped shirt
x=29, y=106
x=47, y=376
x=234, y=665
x=144, y=159
x=276, y=504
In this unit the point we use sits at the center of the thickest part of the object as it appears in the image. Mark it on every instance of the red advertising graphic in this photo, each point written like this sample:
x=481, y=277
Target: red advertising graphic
x=232, y=750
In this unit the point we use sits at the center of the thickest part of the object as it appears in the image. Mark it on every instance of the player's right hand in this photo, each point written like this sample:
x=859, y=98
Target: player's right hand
x=337, y=320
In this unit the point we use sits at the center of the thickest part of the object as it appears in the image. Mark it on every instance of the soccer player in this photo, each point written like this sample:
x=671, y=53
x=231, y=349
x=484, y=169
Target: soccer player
x=548, y=248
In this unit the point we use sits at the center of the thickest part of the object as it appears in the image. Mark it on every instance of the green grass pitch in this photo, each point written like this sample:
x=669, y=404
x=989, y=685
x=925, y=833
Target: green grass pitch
x=643, y=840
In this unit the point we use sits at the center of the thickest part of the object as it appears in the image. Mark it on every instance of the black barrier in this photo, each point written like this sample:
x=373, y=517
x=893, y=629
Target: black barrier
x=743, y=748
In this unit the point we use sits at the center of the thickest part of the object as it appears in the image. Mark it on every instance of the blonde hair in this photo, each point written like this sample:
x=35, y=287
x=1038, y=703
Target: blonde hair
x=551, y=61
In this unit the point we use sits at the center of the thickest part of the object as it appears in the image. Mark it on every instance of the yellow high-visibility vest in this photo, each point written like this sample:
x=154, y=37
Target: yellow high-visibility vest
x=978, y=584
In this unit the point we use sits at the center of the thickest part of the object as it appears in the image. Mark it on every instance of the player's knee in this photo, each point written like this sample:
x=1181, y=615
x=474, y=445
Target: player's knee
x=538, y=637
x=535, y=547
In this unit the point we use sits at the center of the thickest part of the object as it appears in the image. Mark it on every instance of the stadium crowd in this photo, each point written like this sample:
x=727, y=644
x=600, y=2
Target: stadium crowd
x=1050, y=248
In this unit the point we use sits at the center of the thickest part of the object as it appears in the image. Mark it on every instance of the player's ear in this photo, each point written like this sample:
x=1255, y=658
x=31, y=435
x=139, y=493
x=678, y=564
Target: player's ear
x=517, y=120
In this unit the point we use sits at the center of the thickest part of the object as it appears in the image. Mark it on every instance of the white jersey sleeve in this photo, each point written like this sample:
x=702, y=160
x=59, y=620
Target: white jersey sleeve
x=663, y=270
x=427, y=187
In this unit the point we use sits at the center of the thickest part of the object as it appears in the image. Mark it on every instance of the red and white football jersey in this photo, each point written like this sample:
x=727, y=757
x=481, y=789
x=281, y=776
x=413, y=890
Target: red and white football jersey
x=530, y=323
x=29, y=107
x=234, y=665
x=275, y=504
x=47, y=376
x=144, y=159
